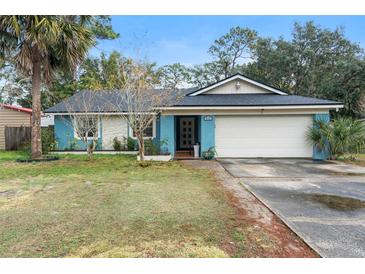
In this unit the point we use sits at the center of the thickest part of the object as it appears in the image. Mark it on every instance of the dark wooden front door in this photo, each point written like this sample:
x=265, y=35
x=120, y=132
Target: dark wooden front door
x=187, y=132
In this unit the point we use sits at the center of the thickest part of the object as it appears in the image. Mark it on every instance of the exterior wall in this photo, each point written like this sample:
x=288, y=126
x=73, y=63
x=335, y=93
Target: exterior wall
x=321, y=154
x=157, y=138
x=113, y=126
x=207, y=132
x=12, y=118
x=230, y=88
x=167, y=133
x=64, y=134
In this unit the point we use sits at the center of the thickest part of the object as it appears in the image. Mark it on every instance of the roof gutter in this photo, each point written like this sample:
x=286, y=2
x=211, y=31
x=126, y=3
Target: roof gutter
x=253, y=107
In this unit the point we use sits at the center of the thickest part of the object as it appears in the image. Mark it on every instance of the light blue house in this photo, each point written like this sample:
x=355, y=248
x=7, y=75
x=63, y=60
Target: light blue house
x=237, y=116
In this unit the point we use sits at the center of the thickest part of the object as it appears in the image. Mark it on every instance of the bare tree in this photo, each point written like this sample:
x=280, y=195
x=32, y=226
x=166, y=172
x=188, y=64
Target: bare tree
x=139, y=101
x=85, y=110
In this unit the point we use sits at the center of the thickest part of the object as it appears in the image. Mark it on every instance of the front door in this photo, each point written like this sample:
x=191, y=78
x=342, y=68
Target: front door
x=186, y=132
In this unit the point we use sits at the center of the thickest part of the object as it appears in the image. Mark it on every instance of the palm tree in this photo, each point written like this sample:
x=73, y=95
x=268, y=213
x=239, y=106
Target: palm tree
x=41, y=46
x=340, y=136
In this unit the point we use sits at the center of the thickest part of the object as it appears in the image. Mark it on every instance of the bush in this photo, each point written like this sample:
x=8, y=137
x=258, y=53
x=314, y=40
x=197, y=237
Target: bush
x=150, y=148
x=131, y=144
x=209, y=154
x=25, y=147
x=339, y=137
x=117, y=145
x=48, y=140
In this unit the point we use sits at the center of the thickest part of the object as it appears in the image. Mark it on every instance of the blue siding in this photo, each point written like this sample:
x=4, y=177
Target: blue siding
x=207, y=132
x=317, y=153
x=64, y=134
x=167, y=133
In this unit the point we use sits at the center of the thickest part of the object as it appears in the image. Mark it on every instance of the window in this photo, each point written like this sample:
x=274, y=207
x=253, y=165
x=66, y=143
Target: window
x=87, y=126
x=148, y=131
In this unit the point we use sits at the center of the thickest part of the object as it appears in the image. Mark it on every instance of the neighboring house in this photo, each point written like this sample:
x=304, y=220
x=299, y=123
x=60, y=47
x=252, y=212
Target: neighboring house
x=47, y=120
x=13, y=116
x=238, y=116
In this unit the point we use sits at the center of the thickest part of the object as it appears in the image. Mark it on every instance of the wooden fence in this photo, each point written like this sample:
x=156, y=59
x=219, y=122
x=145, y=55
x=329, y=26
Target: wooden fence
x=15, y=137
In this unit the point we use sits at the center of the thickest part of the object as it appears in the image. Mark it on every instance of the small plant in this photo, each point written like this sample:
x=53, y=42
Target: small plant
x=117, y=145
x=144, y=164
x=48, y=140
x=25, y=147
x=150, y=148
x=131, y=144
x=72, y=144
x=209, y=154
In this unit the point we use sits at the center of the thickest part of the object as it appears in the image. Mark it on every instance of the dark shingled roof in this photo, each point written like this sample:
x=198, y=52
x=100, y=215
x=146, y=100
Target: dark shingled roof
x=100, y=101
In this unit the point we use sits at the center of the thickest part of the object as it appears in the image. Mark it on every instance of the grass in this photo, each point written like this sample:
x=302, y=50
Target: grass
x=359, y=159
x=112, y=207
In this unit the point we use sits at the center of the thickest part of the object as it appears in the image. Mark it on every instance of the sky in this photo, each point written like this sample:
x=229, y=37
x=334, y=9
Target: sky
x=186, y=39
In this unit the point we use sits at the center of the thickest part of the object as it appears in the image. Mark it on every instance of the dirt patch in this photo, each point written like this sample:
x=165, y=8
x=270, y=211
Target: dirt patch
x=262, y=233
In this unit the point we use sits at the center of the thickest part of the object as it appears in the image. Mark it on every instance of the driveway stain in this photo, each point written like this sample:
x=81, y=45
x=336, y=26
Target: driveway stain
x=334, y=202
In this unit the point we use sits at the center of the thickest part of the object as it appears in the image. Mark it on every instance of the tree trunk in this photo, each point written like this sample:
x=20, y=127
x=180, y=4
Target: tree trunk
x=36, y=142
x=141, y=147
x=90, y=151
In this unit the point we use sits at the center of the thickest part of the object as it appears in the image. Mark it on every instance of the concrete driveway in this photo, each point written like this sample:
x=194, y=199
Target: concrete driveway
x=323, y=202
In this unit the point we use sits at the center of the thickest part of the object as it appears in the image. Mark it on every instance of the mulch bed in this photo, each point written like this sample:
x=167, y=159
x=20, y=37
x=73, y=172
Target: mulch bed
x=45, y=159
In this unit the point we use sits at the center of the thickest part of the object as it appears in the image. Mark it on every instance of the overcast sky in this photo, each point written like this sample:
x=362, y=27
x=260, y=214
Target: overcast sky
x=186, y=39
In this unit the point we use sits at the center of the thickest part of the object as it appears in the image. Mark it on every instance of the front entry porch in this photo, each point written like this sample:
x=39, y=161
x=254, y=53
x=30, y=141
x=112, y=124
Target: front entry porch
x=187, y=135
x=181, y=132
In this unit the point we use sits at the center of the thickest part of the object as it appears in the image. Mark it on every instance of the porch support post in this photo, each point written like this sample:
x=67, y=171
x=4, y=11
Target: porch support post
x=207, y=132
x=167, y=133
x=321, y=154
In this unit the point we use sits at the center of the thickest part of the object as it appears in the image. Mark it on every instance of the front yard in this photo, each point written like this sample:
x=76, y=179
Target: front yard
x=112, y=207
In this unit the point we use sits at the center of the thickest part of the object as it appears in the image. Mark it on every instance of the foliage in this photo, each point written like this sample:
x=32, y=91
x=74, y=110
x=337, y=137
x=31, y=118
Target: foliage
x=72, y=144
x=341, y=136
x=209, y=154
x=205, y=74
x=102, y=28
x=131, y=144
x=139, y=100
x=14, y=84
x=40, y=46
x=174, y=76
x=86, y=125
x=117, y=144
x=48, y=140
x=315, y=62
x=58, y=28
x=102, y=73
x=150, y=148
x=153, y=147
x=231, y=47
x=25, y=147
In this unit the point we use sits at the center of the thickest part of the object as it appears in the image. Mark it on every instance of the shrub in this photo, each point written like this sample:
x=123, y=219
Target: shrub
x=25, y=147
x=131, y=144
x=209, y=154
x=117, y=145
x=338, y=137
x=150, y=148
x=48, y=140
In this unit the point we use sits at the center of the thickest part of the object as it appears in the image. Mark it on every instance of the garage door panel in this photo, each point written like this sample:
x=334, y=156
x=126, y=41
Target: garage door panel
x=262, y=136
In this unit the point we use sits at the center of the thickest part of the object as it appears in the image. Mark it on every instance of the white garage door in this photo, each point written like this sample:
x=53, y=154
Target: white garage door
x=262, y=136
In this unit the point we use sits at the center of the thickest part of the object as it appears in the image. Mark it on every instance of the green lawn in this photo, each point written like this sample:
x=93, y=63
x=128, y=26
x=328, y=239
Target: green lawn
x=112, y=207
x=359, y=159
